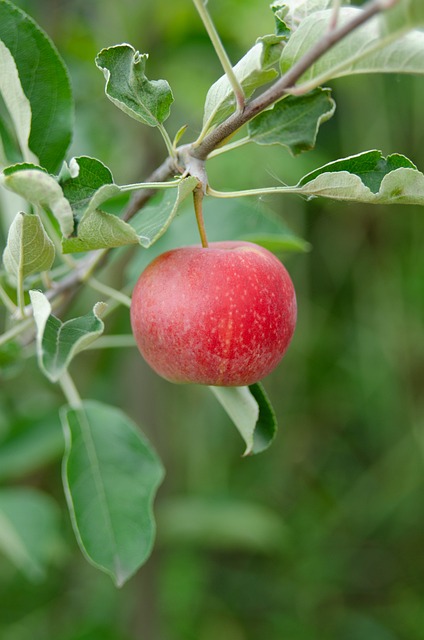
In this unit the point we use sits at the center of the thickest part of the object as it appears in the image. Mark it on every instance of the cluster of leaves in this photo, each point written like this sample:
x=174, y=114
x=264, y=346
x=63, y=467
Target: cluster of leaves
x=66, y=213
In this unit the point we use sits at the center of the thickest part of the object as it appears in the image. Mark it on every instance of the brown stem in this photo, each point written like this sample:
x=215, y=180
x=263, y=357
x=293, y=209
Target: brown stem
x=198, y=209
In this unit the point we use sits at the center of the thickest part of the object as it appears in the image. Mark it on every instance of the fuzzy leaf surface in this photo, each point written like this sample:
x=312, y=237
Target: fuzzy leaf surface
x=18, y=108
x=28, y=249
x=29, y=530
x=152, y=221
x=40, y=189
x=82, y=179
x=366, y=177
x=127, y=86
x=87, y=185
x=41, y=74
x=252, y=71
x=92, y=186
x=294, y=121
x=58, y=342
x=298, y=10
x=250, y=410
x=110, y=474
x=368, y=49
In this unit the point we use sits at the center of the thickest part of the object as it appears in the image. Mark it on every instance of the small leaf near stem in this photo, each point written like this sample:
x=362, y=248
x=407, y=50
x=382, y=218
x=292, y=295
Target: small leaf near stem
x=220, y=52
x=198, y=209
x=169, y=146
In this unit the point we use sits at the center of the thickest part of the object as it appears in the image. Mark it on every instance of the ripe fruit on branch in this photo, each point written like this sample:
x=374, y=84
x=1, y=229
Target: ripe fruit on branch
x=222, y=315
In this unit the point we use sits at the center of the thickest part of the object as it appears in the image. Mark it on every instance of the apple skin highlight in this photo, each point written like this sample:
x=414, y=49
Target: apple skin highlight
x=222, y=315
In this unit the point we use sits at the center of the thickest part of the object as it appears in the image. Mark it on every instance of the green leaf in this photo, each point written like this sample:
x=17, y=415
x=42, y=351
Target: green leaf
x=250, y=410
x=18, y=108
x=40, y=189
x=29, y=530
x=91, y=186
x=87, y=184
x=266, y=427
x=100, y=230
x=58, y=342
x=82, y=179
x=28, y=249
x=252, y=71
x=298, y=10
x=280, y=10
x=45, y=83
x=152, y=221
x=111, y=475
x=294, y=121
x=366, y=177
x=366, y=50
x=127, y=86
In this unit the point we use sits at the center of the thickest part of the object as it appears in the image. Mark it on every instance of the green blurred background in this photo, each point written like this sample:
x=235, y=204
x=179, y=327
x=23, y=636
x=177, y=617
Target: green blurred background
x=321, y=537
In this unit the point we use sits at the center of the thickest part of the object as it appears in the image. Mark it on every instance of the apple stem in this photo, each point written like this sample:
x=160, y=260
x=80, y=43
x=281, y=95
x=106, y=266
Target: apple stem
x=198, y=209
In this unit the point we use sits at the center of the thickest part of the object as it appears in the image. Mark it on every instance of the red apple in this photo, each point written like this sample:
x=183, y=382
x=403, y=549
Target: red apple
x=222, y=315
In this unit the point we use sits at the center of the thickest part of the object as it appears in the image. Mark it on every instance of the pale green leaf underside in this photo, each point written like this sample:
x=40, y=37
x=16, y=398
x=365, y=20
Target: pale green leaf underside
x=300, y=9
x=127, y=86
x=82, y=179
x=294, y=121
x=152, y=222
x=111, y=475
x=252, y=71
x=251, y=412
x=58, y=342
x=16, y=102
x=88, y=185
x=242, y=408
x=366, y=177
x=365, y=50
x=29, y=530
x=98, y=229
x=40, y=189
x=28, y=249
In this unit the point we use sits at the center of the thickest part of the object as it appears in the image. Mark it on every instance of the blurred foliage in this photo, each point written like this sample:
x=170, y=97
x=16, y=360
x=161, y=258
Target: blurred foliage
x=321, y=537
